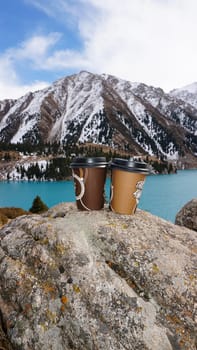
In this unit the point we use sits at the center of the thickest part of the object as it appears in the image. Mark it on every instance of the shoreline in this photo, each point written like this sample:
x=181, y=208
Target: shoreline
x=69, y=178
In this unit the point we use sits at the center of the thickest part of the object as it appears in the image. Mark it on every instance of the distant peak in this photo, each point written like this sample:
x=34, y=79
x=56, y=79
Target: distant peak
x=85, y=72
x=191, y=88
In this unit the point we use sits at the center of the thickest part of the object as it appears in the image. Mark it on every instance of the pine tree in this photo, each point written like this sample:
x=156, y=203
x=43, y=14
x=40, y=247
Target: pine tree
x=38, y=206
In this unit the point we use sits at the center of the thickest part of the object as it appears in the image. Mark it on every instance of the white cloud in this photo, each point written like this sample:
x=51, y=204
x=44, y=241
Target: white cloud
x=35, y=51
x=150, y=41
x=58, y=9
x=65, y=59
x=15, y=90
x=11, y=85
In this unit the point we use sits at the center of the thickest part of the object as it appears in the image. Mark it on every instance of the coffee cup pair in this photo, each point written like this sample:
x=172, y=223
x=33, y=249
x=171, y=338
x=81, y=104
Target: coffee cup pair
x=127, y=179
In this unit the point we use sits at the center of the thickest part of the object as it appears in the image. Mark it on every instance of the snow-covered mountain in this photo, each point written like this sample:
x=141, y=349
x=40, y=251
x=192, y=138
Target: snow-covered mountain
x=103, y=109
x=188, y=94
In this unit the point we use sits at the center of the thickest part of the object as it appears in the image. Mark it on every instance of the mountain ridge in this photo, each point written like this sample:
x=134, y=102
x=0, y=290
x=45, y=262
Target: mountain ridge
x=106, y=110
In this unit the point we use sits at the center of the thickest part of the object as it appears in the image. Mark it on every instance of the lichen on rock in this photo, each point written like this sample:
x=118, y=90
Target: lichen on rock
x=97, y=280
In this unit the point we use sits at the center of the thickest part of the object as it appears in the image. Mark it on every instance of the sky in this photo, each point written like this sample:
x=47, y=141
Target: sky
x=148, y=41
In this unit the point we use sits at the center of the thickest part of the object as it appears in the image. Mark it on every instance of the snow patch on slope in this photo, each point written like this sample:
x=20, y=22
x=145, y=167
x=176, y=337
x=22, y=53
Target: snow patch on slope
x=34, y=105
x=83, y=101
x=27, y=125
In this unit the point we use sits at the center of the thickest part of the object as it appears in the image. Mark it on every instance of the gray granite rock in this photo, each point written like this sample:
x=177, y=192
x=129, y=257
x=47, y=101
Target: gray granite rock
x=97, y=280
x=187, y=216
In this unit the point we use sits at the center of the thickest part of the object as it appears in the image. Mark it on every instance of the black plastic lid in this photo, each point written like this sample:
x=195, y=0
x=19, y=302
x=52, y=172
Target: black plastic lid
x=87, y=162
x=130, y=165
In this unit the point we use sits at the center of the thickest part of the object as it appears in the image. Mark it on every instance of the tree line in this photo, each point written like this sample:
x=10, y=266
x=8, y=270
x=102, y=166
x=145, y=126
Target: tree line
x=58, y=168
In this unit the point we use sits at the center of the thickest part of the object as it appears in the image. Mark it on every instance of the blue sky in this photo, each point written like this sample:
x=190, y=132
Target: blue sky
x=150, y=41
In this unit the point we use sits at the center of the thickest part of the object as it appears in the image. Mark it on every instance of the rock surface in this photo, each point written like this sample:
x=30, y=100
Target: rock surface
x=97, y=280
x=187, y=216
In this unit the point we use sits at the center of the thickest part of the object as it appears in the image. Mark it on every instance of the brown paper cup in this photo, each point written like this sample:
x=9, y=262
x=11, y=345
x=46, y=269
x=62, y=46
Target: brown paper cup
x=126, y=185
x=89, y=180
x=126, y=190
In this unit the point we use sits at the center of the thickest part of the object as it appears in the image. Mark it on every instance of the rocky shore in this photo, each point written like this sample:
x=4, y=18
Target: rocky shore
x=97, y=280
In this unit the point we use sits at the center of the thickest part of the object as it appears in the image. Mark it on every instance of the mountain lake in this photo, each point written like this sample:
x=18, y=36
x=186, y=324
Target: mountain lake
x=163, y=195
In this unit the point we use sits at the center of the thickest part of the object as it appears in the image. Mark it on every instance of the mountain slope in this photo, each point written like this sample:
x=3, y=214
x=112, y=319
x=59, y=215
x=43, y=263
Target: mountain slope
x=187, y=93
x=103, y=109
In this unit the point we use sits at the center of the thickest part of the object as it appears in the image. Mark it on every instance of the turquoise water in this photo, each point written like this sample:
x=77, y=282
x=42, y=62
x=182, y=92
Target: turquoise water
x=163, y=195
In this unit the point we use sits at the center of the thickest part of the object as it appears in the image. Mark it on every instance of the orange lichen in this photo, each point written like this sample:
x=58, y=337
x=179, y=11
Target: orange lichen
x=64, y=299
x=185, y=340
x=173, y=319
x=180, y=330
x=49, y=288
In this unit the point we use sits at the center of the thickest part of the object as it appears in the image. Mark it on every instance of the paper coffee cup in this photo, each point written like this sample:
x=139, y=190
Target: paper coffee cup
x=89, y=174
x=127, y=180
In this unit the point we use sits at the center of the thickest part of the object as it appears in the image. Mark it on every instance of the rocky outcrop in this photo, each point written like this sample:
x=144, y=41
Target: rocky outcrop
x=97, y=280
x=187, y=216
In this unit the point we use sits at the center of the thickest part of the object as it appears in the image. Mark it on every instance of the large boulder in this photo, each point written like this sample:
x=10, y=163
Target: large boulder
x=97, y=280
x=187, y=216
